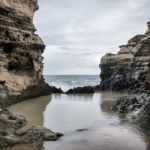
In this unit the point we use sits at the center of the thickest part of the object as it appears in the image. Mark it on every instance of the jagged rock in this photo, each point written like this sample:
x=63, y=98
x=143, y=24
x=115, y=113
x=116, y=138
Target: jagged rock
x=10, y=123
x=35, y=134
x=143, y=117
x=81, y=130
x=97, y=88
x=30, y=92
x=130, y=103
x=129, y=70
x=20, y=53
x=54, y=89
x=80, y=90
x=20, y=70
x=39, y=133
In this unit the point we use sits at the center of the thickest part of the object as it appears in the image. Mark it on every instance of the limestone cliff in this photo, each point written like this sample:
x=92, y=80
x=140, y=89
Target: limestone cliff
x=129, y=69
x=20, y=53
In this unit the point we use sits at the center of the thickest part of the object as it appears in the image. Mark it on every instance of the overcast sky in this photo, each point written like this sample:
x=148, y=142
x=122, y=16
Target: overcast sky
x=79, y=32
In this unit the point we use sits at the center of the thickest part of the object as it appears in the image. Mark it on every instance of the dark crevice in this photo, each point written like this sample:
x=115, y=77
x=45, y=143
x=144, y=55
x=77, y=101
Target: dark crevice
x=8, y=48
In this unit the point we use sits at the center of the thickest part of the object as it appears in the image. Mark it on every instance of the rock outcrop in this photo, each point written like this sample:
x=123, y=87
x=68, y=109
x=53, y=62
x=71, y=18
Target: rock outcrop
x=130, y=103
x=81, y=90
x=20, y=71
x=20, y=53
x=129, y=70
x=9, y=125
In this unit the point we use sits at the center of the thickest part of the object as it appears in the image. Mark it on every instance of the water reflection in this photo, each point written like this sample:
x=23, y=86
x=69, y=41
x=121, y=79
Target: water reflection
x=105, y=106
x=67, y=113
x=73, y=97
x=106, y=101
x=104, y=130
x=32, y=109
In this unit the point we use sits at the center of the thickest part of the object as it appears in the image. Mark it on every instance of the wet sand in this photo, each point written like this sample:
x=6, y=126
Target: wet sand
x=32, y=109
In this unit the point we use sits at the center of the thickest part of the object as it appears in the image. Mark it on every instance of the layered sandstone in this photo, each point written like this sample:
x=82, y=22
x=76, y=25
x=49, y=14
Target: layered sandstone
x=20, y=71
x=130, y=67
x=20, y=53
x=129, y=70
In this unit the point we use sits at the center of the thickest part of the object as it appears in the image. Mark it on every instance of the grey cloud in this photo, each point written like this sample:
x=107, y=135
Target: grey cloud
x=86, y=30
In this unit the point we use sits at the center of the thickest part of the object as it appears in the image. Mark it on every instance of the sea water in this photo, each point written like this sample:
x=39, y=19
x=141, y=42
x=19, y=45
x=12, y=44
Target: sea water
x=86, y=120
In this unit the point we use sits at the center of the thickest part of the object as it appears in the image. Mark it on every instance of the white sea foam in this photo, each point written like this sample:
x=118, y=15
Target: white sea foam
x=69, y=81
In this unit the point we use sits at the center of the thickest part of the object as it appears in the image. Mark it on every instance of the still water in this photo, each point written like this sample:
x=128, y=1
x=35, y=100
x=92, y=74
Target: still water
x=87, y=122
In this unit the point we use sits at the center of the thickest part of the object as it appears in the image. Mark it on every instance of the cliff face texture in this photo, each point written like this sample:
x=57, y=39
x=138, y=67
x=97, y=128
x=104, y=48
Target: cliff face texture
x=129, y=69
x=20, y=52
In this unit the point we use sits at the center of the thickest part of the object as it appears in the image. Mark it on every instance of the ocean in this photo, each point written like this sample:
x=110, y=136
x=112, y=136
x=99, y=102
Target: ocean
x=69, y=81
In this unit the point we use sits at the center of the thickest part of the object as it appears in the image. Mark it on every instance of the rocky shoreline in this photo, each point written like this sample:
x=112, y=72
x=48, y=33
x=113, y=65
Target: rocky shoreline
x=129, y=71
x=81, y=90
x=21, y=67
x=32, y=91
x=21, y=76
x=10, y=124
x=21, y=60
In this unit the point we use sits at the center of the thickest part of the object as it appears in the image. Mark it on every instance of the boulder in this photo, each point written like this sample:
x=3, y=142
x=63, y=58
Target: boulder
x=9, y=125
x=81, y=90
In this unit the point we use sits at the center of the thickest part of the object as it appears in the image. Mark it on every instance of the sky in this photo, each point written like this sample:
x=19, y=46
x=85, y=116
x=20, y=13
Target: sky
x=77, y=33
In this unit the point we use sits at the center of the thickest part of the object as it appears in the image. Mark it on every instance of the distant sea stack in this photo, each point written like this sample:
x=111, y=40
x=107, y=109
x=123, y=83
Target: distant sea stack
x=129, y=69
x=20, y=53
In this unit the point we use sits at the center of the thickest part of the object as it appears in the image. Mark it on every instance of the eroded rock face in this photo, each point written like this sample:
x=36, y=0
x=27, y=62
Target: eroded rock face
x=143, y=117
x=129, y=69
x=81, y=90
x=10, y=122
x=9, y=125
x=20, y=71
x=20, y=52
x=130, y=103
